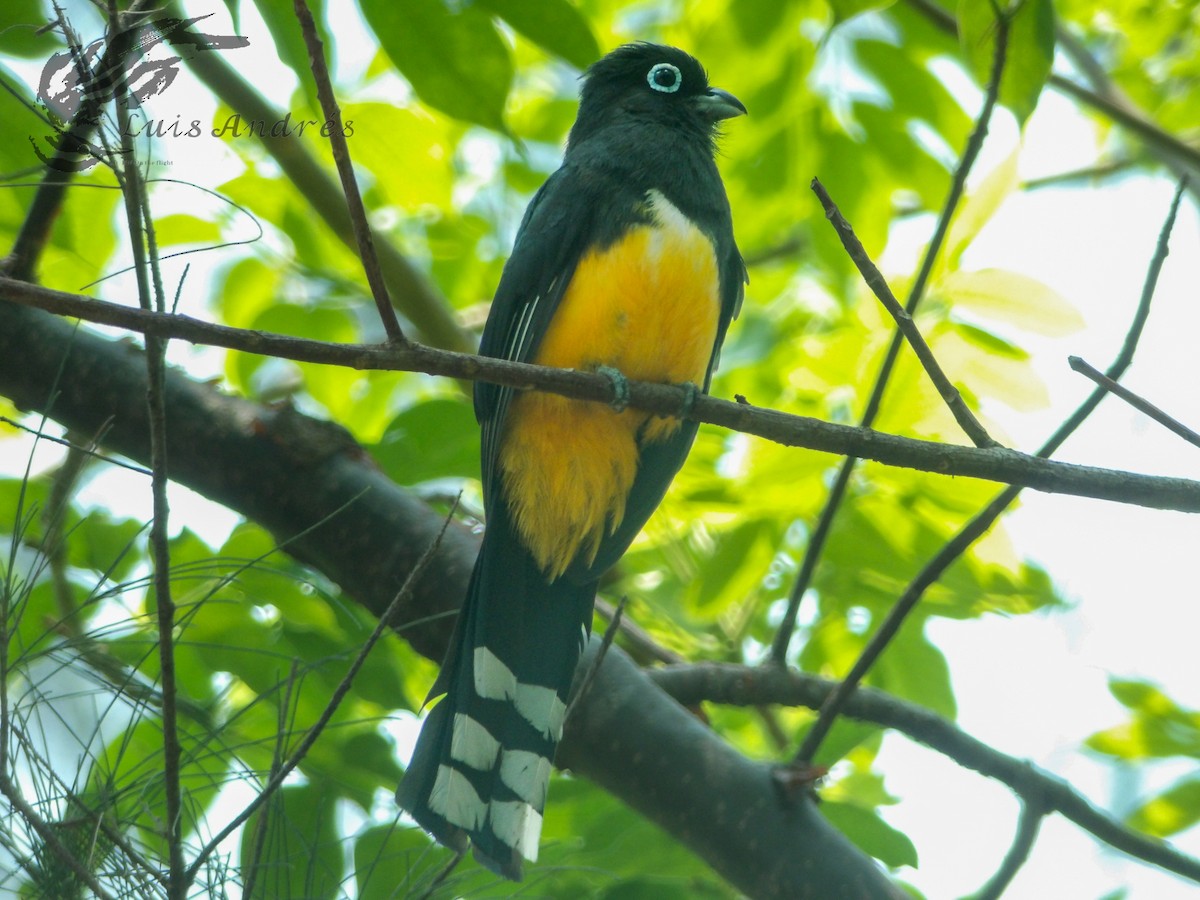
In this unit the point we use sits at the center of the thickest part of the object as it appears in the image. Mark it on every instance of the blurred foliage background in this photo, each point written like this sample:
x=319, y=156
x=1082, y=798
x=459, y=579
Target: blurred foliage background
x=457, y=112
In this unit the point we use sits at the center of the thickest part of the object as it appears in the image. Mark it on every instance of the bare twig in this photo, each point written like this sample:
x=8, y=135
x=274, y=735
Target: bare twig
x=984, y=520
x=994, y=464
x=820, y=532
x=614, y=625
x=904, y=321
x=1028, y=825
x=741, y=685
x=54, y=534
x=341, y=157
x=259, y=839
x=441, y=876
x=638, y=642
x=1143, y=406
x=74, y=447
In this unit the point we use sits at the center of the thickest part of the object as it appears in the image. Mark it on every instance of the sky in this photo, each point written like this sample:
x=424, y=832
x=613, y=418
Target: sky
x=1034, y=686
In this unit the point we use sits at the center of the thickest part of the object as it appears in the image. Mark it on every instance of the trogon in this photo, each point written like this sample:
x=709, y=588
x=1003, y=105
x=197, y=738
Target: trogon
x=624, y=263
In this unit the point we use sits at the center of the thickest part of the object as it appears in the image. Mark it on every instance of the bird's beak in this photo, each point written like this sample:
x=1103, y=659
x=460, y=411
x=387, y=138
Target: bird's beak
x=718, y=104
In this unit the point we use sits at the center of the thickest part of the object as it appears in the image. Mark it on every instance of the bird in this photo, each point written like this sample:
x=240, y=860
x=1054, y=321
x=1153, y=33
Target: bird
x=625, y=263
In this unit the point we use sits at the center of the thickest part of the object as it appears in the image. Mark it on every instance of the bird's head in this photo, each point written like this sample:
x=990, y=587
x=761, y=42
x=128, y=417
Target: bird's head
x=651, y=82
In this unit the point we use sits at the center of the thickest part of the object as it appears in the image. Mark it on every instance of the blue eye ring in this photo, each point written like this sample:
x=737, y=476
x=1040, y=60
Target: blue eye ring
x=673, y=78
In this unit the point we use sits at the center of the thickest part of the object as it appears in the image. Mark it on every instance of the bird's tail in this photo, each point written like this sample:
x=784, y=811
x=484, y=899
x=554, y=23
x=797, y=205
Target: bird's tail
x=482, y=762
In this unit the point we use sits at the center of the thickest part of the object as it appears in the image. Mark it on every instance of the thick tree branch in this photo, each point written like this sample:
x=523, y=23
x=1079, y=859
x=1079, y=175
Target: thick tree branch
x=991, y=464
x=289, y=473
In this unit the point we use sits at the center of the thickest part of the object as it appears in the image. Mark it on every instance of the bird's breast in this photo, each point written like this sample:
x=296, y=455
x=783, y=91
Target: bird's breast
x=648, y=305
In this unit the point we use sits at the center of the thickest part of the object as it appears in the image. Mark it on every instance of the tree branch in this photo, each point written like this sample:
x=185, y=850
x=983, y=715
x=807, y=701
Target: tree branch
x=991, y=464
x=341, y=157
x=874, y=279
x=1141, y=405
x=1028, y=825
x=738, y=685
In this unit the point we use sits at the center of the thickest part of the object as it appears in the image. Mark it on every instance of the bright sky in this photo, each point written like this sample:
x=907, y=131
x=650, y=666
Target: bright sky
x=1035, y=686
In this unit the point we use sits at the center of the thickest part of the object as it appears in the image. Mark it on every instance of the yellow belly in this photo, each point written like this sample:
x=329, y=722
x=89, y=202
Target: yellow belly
x=648, y=305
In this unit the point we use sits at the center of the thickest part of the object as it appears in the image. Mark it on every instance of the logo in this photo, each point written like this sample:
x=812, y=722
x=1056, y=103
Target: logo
x=77, y=83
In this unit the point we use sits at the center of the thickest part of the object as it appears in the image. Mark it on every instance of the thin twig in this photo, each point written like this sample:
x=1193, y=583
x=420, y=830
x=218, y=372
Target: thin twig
x=610, y=632
x=979, y=525
x=259, y=839
x=441, y=876
x=73, y=447
x=820, y=532
x=143, y=243
x=1143, y=406
x=904, y=321
x=1028, y=825
x=995, y=464
x=54, y=535
x=335, y=700
x=638, y=642
x=341, y=157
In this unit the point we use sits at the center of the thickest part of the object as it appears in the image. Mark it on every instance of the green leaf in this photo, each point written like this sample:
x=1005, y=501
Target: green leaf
x=454, y=59
x=104, y=543
x=1170, y=812
x=183, y=228
x=436, y=439
x=1012, y=298
x=280, y=18
x=1159, y=727
x=1029, y=54
x=871, y=834
x=554, y=25
x=848, y=9
x=301, y=854
x=389, y=855
x=734, y=569
x=407, y=150
x=127, y=777
x=981, y=204
x=20, y=22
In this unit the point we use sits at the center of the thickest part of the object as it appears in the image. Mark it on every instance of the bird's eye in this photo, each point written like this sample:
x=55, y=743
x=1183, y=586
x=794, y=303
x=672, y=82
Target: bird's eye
x=664, y=77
